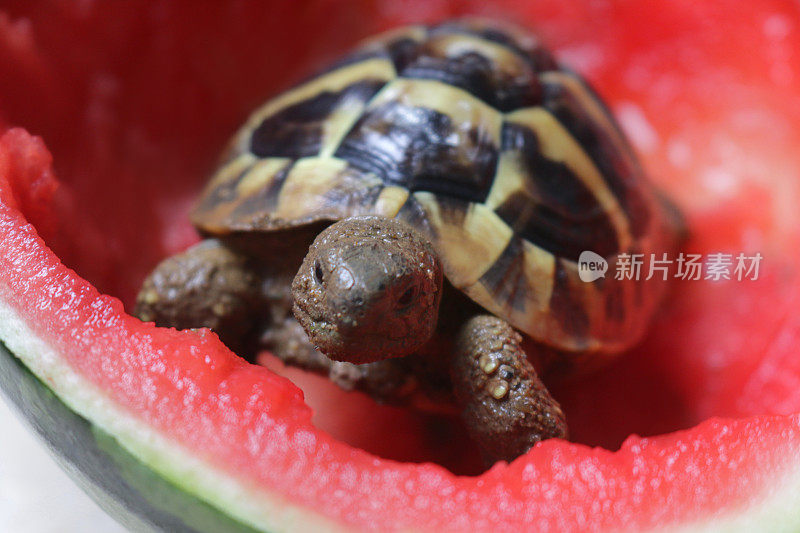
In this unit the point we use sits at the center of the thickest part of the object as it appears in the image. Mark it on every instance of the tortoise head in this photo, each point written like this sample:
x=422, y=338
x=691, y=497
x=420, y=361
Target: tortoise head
x=369, y=289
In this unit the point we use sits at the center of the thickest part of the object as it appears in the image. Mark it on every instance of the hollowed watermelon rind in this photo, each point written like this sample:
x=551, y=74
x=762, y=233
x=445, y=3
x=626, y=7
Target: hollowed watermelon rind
x=142, y=499
x=770, y=442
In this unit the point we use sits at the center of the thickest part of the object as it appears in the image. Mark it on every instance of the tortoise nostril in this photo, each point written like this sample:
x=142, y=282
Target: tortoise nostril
x=407, y=298
x=319, y=277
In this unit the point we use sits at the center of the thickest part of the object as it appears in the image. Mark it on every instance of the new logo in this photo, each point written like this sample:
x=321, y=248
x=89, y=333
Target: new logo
x=591, y=266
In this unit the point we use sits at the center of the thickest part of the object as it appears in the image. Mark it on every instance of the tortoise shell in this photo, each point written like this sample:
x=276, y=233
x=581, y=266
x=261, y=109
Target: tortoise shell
x=473, y=134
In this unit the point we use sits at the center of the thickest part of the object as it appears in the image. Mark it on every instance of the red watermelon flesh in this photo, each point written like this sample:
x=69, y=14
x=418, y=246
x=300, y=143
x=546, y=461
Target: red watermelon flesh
x=134, y=105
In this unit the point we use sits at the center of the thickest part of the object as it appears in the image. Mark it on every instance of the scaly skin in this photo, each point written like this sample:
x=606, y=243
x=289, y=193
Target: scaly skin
x=210, y=285
x=369, y=289
x=506, y=407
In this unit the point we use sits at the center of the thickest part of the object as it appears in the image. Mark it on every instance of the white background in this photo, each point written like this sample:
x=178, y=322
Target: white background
x=36, y=496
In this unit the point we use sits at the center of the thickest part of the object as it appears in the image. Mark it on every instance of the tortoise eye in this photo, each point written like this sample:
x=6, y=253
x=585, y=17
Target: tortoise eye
x=319, y=277
x=408, y=297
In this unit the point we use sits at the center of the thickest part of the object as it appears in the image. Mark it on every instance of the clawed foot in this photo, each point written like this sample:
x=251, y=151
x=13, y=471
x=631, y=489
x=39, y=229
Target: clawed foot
x=504, y=405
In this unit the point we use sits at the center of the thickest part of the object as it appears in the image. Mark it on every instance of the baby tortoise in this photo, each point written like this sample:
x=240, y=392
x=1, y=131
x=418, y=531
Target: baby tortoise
x=399, y=222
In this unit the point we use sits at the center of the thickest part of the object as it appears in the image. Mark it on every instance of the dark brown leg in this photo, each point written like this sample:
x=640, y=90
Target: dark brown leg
x=504, y=405
x=208, y=285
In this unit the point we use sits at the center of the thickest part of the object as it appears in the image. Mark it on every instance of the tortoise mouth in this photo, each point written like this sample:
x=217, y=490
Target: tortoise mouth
x=326, y=335
x=335, y=342
x=313, y=322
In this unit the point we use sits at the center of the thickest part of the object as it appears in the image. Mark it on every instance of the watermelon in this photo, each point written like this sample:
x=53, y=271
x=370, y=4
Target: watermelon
x=124, y=109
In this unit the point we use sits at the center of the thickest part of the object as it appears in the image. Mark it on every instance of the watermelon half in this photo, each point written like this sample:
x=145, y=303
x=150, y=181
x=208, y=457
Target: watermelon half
x=171, y=431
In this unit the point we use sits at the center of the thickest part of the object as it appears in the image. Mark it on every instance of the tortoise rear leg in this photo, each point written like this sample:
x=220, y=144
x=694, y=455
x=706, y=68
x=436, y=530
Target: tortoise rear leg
x=209, y=285
x=504, y=405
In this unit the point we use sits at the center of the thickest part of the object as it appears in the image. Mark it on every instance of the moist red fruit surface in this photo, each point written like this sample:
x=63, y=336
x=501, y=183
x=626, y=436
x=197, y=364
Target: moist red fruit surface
x=135, y=101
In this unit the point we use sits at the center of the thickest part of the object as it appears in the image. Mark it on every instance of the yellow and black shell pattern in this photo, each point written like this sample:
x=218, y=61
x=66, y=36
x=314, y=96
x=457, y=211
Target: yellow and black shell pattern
x=472, y=133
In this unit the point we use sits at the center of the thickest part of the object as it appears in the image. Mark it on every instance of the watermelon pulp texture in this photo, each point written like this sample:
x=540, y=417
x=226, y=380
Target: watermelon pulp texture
x=135, y=102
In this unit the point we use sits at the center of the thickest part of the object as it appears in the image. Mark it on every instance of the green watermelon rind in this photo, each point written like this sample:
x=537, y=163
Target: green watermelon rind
x=252, y=507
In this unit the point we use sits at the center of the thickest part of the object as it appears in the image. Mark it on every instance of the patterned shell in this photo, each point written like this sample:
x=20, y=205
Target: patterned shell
x=473, y=134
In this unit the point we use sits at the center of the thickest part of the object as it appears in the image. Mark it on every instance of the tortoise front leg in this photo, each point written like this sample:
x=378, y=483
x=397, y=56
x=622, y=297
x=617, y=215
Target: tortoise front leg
x=209, y=285
x=504, y=405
